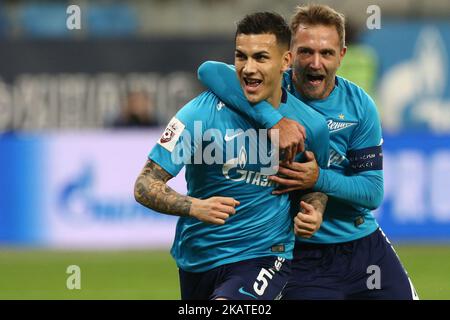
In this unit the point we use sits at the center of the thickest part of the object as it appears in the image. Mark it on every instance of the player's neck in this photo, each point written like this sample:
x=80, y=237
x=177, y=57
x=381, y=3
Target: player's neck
x=275, y=99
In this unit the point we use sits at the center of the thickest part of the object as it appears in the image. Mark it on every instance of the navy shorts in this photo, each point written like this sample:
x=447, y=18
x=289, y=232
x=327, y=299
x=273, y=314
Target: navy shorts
x=254, y=279
x=366, y=268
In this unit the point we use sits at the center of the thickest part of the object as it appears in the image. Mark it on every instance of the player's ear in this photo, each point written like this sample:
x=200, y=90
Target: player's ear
x=287, y=60
x=342, y=54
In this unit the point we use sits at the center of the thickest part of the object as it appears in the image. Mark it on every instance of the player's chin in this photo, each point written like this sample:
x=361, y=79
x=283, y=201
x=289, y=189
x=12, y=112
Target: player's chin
x=314, y=93
x=253, y=97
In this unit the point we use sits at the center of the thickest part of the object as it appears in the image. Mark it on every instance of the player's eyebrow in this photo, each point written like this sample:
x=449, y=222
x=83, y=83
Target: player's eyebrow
x=328, y=50
x=254, y=54
x=299, y=49
x=309, y=49
x=261, y=53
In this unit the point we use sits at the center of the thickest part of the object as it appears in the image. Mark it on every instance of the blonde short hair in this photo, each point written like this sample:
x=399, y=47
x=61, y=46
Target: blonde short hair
x=318, y=14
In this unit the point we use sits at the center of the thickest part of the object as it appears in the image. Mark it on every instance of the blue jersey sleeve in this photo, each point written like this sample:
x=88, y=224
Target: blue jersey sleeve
x=364, y=187
x=221, y=79
x=368, y=132
x=364, y=190
x=182, y=137
x=319, y=143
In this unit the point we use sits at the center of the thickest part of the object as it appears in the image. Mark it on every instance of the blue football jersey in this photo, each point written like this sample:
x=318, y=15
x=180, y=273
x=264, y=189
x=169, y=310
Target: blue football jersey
x=355, y=131
x=221, y=79
x=354, y=142
x=220, y=150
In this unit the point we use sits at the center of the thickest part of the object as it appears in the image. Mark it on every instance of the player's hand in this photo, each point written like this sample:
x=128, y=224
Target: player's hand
x=307, y=221
x=296, y=175
x=292, y=137
x=214, y=210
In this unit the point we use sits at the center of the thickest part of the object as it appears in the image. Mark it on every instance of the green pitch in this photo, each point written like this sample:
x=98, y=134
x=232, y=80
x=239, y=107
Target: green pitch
x=104, y=275
x=153, y=274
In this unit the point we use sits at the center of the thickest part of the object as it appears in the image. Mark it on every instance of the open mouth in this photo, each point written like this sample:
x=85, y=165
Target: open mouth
x=252, y=84
x=314, y=79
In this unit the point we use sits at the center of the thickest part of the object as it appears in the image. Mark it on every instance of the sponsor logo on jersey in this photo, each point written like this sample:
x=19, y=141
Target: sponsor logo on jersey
x=220, y=105
x=243, y=291
x=231, y=137
x=336, y=158
x=233, y=170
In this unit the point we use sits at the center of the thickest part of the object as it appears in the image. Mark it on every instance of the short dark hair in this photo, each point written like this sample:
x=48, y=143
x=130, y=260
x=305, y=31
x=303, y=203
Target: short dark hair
x=265, y=23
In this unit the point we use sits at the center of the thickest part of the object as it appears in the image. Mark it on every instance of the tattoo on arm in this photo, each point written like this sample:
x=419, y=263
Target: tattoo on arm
x=151, y=191
x=317, y=199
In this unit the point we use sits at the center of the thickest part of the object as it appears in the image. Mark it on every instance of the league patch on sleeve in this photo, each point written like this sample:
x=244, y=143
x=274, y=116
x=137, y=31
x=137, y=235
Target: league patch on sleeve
x=171, y=135
x=366, y=159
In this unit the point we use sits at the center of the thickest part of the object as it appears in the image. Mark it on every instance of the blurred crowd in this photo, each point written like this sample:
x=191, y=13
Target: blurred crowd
x=65, y=75
x=137, y=111
x=120, y=18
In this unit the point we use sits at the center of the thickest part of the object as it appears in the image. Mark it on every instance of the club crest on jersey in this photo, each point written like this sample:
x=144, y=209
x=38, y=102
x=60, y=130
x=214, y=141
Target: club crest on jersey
x=334, y=126
x=171, y=135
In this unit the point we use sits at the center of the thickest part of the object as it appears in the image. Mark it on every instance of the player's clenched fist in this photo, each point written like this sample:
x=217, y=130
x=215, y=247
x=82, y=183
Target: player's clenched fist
x=214, y=210
x=291, y=137
x=308, y=221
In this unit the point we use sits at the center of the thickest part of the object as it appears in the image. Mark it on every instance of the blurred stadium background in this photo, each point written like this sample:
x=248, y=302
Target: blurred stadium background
x=80, y=109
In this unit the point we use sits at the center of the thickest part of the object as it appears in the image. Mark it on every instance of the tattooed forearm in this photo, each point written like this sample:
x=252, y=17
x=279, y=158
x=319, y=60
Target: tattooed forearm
x=151, y=191
x=317, y=199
